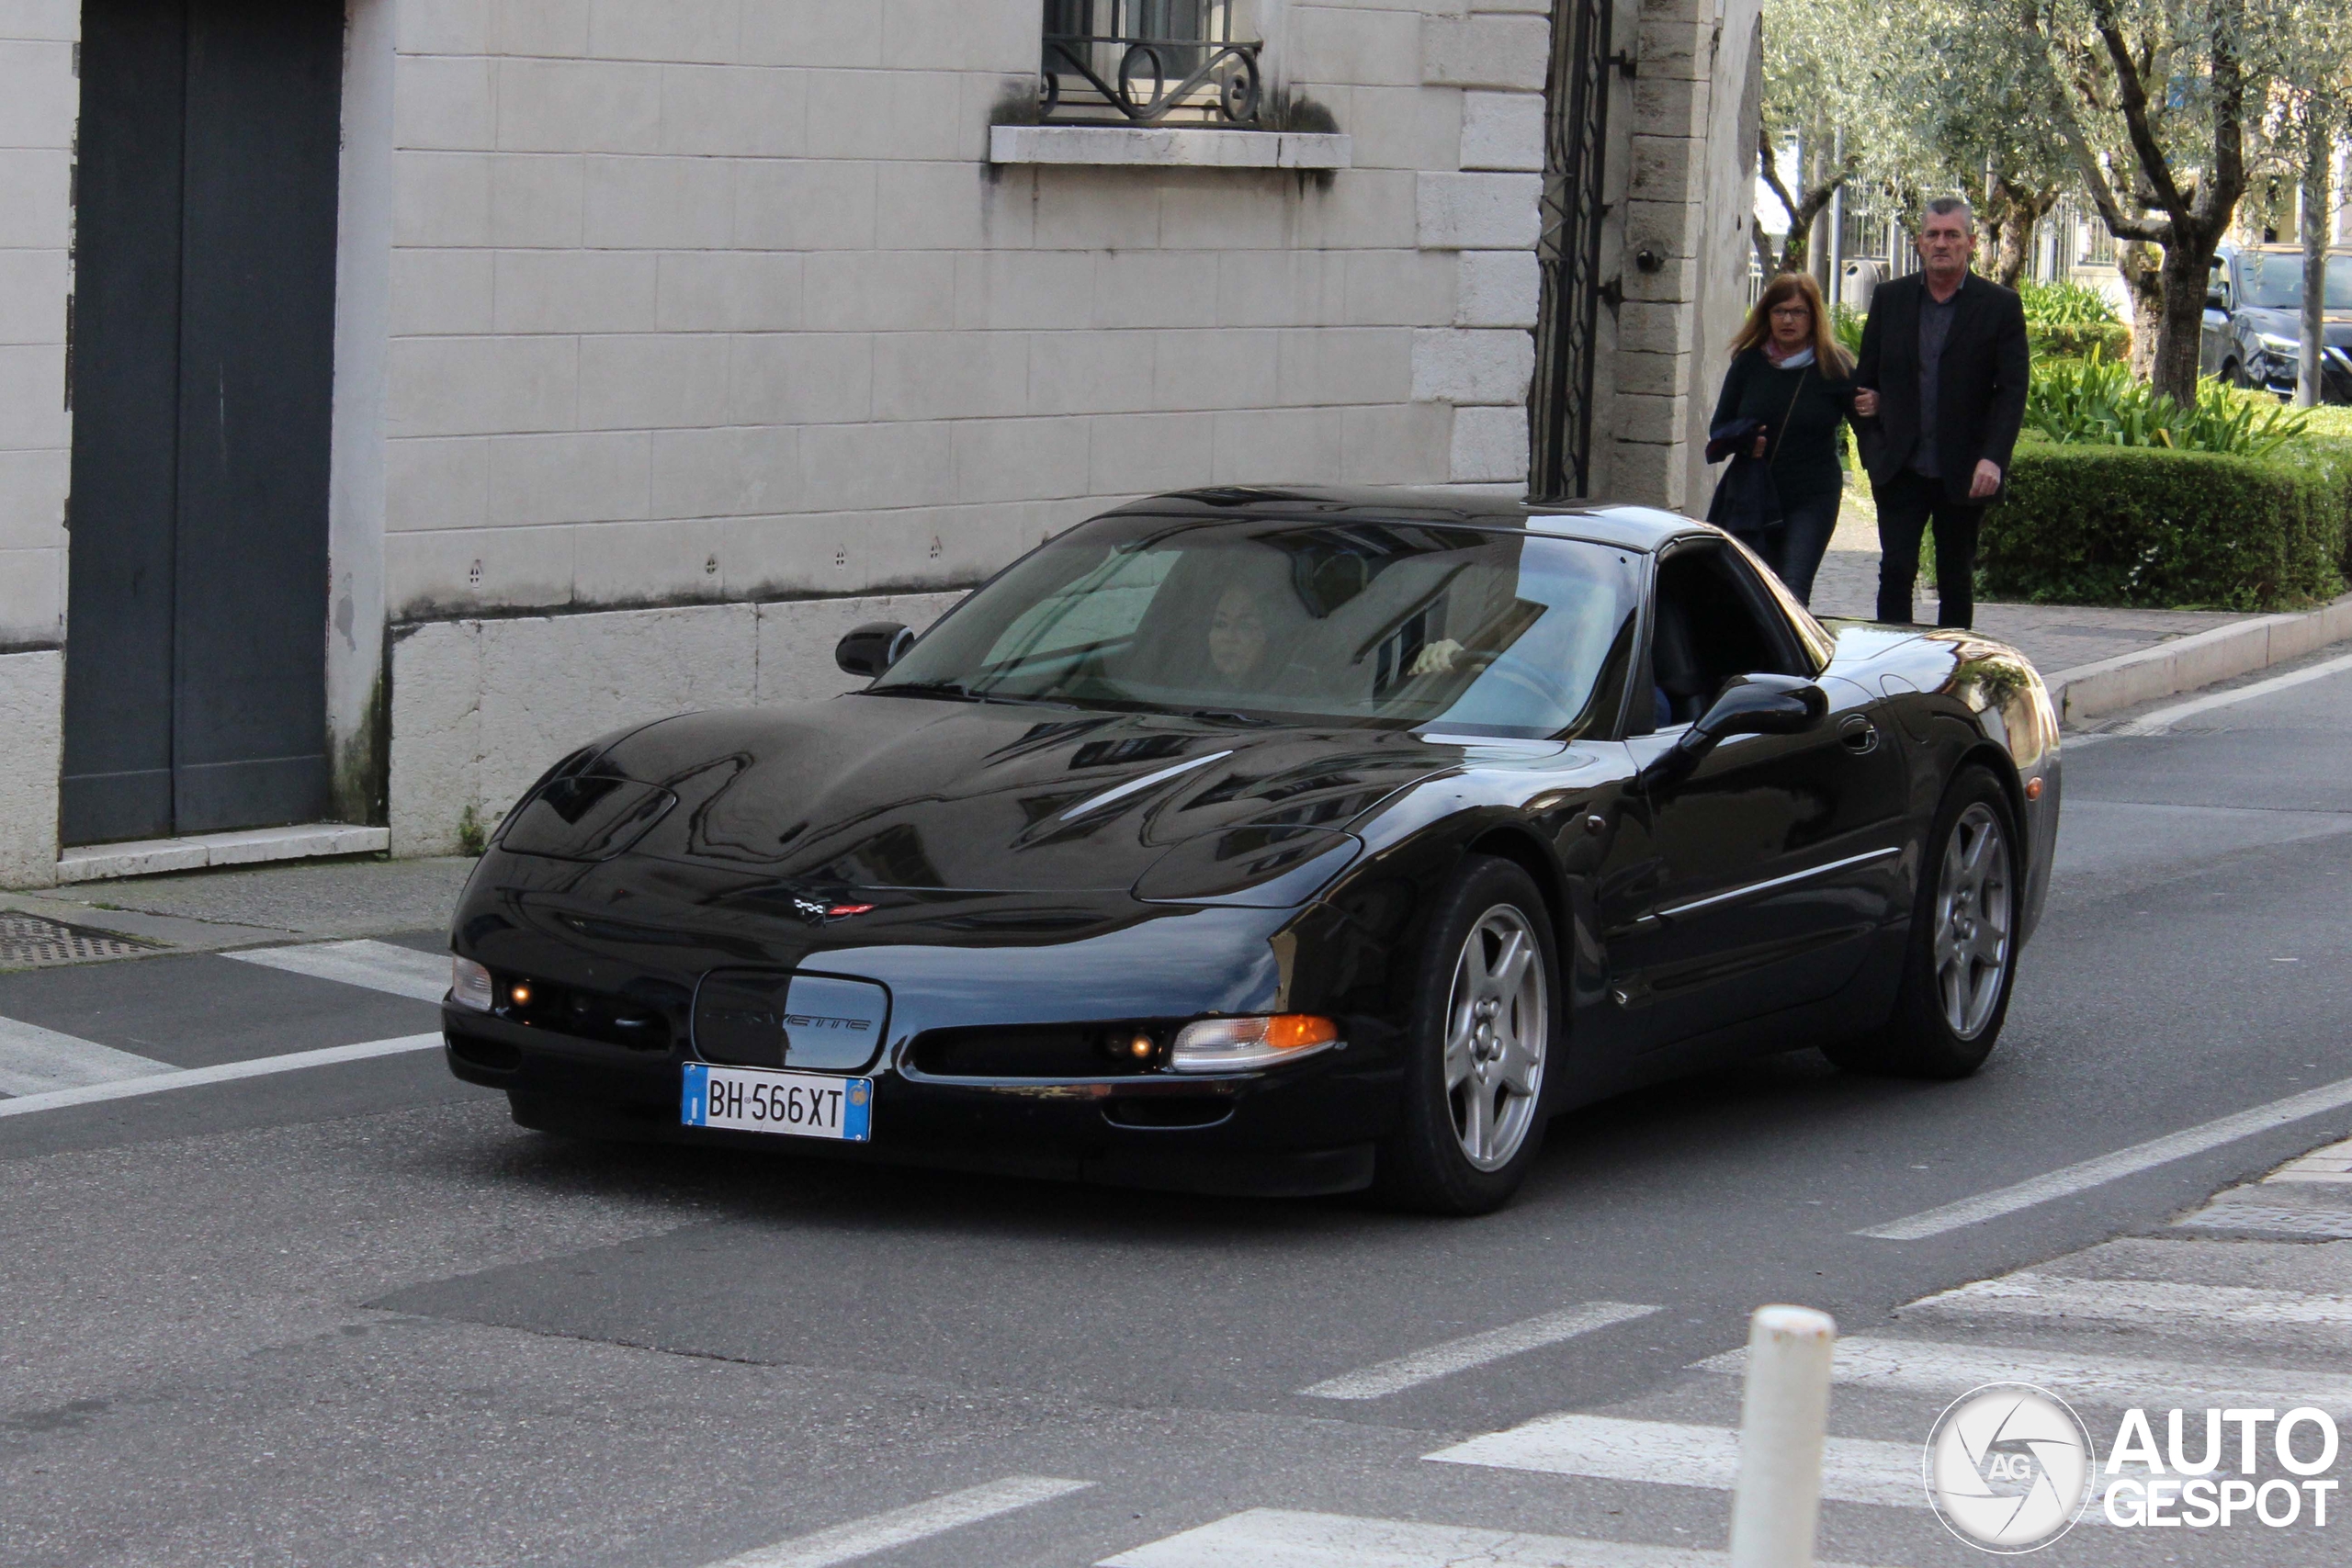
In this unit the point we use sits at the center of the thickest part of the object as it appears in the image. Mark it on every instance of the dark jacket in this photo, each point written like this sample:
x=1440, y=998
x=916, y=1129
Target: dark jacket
x=1746, y=501
x=1980, y=397
x=1802, y=409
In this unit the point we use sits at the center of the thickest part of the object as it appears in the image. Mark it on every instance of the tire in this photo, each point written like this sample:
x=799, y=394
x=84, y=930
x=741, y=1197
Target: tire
x=1960, y=963
x=1483, y=1034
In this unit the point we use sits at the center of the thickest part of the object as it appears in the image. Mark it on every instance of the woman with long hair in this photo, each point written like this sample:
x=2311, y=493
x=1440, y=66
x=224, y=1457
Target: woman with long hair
x=1793, y=381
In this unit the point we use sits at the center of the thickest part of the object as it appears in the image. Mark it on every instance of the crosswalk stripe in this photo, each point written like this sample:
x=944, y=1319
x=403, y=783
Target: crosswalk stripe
x=1282, y=1538
x=2114, y=1167
x=1672, y=1454
x=2334, y=1222
x=1947, y=1371
x=901, y=1527
x=378, y=965
x=1476, y=1350
x=168, y=1078
x=2148, y=1303
x=34, y=1060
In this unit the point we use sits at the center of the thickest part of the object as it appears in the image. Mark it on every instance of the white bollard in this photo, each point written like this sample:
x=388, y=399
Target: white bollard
x=1782, y=1423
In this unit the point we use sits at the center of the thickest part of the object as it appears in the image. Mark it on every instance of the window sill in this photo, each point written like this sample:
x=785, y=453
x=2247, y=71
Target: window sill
x=1168, y=147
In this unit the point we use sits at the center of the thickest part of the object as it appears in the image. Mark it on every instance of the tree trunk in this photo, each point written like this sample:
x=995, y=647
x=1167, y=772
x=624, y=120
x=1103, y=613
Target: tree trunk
x=2137, y=261
x=2016, y=249
x=2315, y=216
x=2189, y=263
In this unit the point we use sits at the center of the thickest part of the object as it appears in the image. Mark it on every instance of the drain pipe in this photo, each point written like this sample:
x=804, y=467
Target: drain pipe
x=1783, y=1420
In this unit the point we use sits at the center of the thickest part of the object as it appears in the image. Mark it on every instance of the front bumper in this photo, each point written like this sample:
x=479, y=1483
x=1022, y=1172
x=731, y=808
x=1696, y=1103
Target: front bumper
x=1298, y=1130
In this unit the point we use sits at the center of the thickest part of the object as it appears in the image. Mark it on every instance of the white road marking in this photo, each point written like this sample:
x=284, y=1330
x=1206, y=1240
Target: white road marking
x=166, y=1078
x=2156, y=723
x=1476, y=1350
x=919, y=1521
x=34, y=1060
x=2154, y=1305
x=378, y=965
x=2336, y=1223
x=1672, y=1453
x=1946, y=1370
x=1281, y=1538
x=2097, y=1172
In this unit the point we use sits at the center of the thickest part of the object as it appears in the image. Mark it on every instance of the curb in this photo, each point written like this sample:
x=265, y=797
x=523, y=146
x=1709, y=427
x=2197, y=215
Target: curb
x=2188, y=663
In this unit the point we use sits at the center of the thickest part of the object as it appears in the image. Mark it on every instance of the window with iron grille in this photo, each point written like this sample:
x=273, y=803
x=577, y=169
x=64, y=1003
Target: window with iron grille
x=1146, y=62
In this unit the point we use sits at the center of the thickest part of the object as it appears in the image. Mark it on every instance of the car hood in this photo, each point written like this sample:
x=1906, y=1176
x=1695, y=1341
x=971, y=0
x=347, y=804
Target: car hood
x=868, y=792
x=2289, y=325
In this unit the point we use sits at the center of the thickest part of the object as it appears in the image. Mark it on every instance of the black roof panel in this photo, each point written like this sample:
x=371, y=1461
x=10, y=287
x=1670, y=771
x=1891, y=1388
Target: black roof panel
x=1641, y=529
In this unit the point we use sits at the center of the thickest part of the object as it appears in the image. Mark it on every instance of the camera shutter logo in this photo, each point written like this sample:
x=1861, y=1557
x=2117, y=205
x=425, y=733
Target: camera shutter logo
x=2009, y=1468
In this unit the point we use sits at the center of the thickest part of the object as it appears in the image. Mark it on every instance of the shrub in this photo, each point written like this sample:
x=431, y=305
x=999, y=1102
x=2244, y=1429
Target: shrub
x=2097, y=401
x=2146, y=525
x=2065, y=303
x=1846, y=324
x=2110, y=339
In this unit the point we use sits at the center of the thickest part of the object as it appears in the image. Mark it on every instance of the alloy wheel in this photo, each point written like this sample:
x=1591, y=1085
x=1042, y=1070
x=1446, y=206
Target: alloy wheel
x=1973, y=921
x=1498, y=1020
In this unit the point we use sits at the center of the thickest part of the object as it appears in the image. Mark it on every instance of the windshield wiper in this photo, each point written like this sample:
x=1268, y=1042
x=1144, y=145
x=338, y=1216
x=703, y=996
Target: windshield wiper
x=958, y=692
x=1227, y=715
x=961, y=693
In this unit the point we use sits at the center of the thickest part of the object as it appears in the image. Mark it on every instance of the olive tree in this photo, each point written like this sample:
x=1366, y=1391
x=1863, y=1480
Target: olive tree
x=2154, y=100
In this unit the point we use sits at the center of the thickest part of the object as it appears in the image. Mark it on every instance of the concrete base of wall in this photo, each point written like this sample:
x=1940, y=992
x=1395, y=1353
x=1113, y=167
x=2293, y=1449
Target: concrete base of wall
x=482, y=708
x=202, y=851
x=32, y=752
x=2187, y=663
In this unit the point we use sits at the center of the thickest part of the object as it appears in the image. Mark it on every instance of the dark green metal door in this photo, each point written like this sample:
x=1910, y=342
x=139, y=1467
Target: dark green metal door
x=203, y=386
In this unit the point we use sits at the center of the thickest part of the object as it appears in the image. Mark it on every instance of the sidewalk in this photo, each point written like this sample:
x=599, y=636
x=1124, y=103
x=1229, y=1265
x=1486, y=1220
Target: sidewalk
x=2058, y=638
x=209, y=910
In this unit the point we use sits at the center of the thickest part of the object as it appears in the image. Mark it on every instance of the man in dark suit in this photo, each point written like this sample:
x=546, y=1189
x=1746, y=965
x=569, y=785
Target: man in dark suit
x=1943, y=382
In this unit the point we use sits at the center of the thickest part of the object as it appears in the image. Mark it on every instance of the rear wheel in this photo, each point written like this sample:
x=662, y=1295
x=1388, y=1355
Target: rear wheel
x=1961, y=960
x=1480, y=1044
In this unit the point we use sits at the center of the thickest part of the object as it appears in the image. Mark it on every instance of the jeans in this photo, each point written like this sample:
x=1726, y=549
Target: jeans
x=1793, y=550
x=1904, y=507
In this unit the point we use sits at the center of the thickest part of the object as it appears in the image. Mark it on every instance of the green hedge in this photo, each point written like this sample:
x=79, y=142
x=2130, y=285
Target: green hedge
x=2051, y=340
x=2087, y=524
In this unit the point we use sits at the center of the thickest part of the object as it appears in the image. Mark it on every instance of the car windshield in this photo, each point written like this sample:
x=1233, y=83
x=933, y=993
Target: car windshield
x=1396, y=626
x=2273, y=281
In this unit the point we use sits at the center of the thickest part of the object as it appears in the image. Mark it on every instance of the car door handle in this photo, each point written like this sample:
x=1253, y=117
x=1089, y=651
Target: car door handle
x=1858, y=735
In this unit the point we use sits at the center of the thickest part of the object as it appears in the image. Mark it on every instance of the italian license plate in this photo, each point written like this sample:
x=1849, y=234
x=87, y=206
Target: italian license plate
x=799, y=1105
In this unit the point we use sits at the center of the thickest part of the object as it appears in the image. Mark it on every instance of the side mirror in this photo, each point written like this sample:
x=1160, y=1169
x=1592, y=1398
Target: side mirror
x=2217, y=301
x=872, y=647
x=1748, y=705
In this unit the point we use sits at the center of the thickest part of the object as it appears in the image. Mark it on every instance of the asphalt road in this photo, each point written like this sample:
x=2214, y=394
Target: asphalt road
x=350, y=1314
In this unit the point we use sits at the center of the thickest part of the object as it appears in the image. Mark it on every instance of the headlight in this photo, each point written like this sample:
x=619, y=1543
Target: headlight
x=2283, y=348
x=1238, y=1044
x=468, y=984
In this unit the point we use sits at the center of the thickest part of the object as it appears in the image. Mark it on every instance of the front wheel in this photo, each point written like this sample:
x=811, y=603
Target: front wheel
x=1481, y=1041
x=1960, y=961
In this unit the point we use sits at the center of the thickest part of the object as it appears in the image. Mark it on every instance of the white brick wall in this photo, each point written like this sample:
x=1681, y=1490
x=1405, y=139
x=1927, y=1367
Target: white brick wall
x=39, y=100
x=716, y=305
x=682, y=289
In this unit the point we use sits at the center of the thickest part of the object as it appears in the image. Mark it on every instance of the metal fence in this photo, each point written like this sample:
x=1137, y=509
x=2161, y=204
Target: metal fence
x=1147, y=62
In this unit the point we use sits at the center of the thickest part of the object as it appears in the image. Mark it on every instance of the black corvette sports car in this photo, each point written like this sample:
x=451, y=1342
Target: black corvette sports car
x=1277, y=841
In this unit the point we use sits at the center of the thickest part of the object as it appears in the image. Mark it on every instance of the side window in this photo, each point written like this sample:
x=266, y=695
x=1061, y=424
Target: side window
x=1706, y=629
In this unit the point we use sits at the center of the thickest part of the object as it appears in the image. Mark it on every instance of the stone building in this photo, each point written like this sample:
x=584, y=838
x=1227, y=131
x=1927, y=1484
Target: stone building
x=394, y=392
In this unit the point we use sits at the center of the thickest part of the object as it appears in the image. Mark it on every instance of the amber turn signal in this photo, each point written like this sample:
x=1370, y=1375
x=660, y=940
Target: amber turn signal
x=1232, y=1045
x=2033, y=789
x=1292, y=1030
